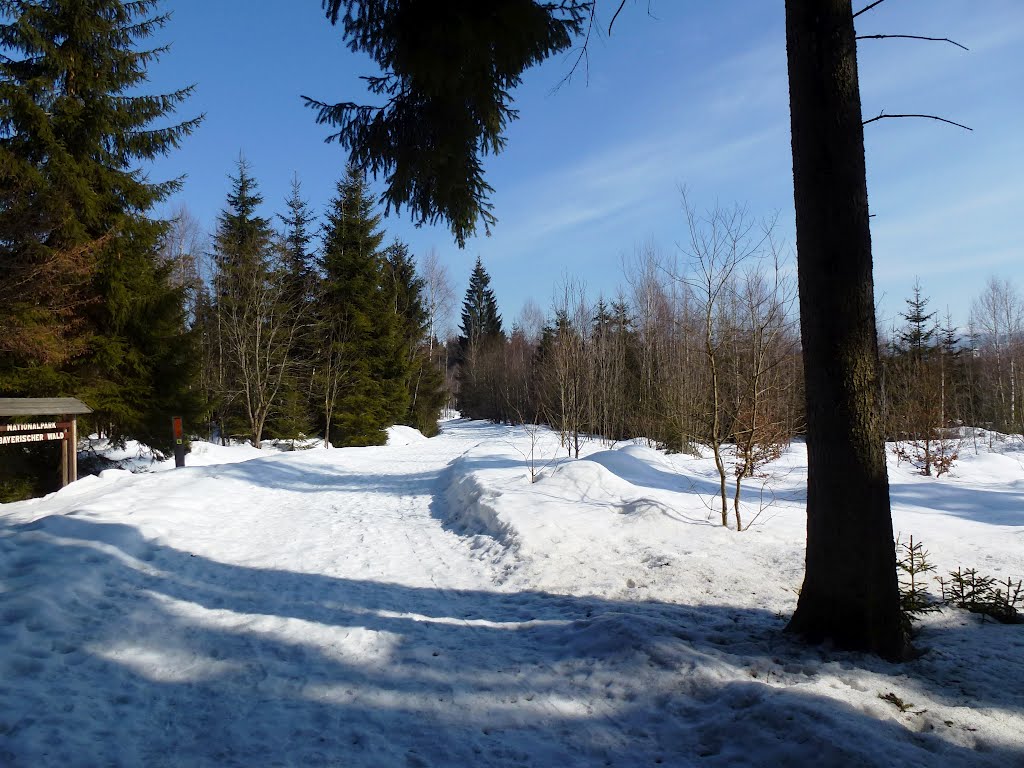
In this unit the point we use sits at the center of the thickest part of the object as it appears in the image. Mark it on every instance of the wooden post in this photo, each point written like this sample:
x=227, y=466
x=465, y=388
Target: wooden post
x=178, y=430
x=73, y=447
x=64, y=468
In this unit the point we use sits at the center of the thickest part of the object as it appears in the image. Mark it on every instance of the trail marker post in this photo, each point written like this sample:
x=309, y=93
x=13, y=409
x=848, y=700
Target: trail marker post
x=179, y=441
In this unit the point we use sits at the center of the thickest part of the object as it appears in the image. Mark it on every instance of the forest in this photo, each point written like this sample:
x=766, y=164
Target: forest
x=293, y=325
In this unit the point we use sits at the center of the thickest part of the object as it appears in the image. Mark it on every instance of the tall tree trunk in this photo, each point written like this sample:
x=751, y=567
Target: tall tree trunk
x=850, y=594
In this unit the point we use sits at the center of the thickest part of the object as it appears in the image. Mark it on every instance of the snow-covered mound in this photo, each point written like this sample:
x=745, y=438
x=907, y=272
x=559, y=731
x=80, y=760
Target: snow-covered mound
x=402, y=435
x=424, y=603
x=204, y=454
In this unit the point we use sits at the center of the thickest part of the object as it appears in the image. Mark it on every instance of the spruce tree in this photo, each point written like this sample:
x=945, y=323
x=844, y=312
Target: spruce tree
x=408, y=290
x=916, y=385
x=299, y=257
x=87, y=308
x=949, y=338
x=955, y=389
x=243, y=240
x=917, y=339
x=425, y=384
x=364, y=345
x=480, y=347
x=142, y=361
x=294, y=415
x=480, y=319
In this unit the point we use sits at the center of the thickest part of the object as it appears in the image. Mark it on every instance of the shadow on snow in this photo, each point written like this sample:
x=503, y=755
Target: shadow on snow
x=465, y=677
x=1002, y=507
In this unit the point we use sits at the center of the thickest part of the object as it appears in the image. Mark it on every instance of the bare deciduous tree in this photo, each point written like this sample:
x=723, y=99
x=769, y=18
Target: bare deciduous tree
x=567, y=366
x=182, y=248
x=438, y=297
x=260, y=329
x=997, y=320
x=769, y=340
x=719, y=242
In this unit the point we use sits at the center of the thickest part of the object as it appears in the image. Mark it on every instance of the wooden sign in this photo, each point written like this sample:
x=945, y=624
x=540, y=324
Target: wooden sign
x=31, y=426
x=42, y=431
x=33, y=432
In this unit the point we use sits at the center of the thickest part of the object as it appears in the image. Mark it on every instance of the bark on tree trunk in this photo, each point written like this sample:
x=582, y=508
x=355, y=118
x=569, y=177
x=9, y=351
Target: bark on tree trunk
x=850, y=594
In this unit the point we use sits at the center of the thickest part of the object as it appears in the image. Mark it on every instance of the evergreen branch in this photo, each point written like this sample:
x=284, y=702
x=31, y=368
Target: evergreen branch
x=427, y=140
x=158, y=141
x=913, y=37
x=146, y=27
x=341, y=114
x=883, y=116
x=149, y=56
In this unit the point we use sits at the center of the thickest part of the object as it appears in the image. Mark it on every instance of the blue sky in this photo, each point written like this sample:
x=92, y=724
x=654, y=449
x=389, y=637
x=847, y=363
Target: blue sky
x=691, y=94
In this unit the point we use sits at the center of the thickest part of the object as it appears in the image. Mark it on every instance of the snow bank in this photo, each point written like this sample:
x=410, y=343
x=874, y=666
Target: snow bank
x=472, y=506
x=402, y=435
x=618, y=523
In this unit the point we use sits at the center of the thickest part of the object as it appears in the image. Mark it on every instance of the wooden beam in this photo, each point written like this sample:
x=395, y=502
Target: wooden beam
x=42, y=406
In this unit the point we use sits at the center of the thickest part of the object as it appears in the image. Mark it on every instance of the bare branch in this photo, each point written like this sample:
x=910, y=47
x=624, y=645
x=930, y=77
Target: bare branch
x=584, y=54
x=883, y=116
x=622, y=4
x=914, y=37
x=615, y=16
x=867, y=8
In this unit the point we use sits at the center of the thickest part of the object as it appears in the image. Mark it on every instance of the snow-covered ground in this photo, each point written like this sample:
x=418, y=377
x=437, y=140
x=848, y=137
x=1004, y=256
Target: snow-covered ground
x=425, y=604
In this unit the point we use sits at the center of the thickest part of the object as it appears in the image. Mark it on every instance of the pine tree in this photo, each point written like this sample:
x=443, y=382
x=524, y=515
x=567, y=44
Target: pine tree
x=480, y=319
x=243, y=241
x=425, y=384
x=917, y=390
x=407, y=288
x=87, y=307
x=952, y=372
x=917, y=338
x=480, y=345
x=294, y=415
x=949, y=338
x=614, y=385
x=365, y=358
x=299, y=259
x=142, y=361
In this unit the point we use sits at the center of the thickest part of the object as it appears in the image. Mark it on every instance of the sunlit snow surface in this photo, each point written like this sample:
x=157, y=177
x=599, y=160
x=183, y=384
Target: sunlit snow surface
x=425, y=604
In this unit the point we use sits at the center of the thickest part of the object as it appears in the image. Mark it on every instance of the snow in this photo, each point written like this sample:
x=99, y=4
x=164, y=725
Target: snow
x=425, y=604
x=136, y=457
x=400, y=435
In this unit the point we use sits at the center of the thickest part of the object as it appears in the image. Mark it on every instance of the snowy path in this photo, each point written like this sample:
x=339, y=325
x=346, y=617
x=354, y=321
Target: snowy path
x=299, y=609
x=329, y=608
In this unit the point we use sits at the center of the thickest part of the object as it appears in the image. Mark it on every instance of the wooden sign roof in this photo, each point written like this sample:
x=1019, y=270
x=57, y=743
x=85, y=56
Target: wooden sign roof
x=42, y=406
